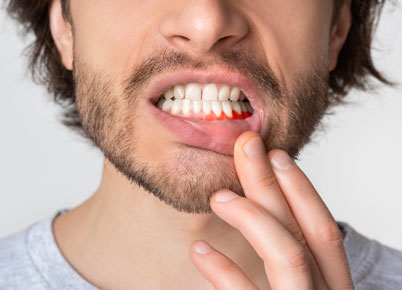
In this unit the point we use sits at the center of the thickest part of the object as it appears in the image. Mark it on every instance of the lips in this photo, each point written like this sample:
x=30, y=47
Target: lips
x=218, y=136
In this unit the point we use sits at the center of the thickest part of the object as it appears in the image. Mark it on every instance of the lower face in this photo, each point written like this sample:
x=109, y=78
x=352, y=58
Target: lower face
x=168, y=119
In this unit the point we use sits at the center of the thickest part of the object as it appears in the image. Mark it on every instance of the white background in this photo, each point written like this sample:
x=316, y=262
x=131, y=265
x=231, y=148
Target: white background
x=355, y=163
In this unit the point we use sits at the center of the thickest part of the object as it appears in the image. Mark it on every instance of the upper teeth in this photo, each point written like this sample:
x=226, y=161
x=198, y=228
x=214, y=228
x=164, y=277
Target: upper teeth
x=210, y=92
x=193, y=98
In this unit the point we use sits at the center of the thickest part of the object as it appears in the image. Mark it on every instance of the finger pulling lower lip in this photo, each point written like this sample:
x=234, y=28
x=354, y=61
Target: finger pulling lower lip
x=215, y=135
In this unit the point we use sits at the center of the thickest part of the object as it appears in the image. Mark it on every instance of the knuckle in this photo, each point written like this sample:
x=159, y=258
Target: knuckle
x=330, y=234
x=228, y=268
x=298, y=259
x=296, y=232
x=251, y=212
x=266, y=180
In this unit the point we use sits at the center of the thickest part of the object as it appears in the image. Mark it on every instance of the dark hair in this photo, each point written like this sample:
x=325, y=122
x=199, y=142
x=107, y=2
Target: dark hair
x=355, y=63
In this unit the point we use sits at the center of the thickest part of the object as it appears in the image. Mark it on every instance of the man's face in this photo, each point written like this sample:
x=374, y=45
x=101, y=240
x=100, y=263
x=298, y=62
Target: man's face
x=127, y=53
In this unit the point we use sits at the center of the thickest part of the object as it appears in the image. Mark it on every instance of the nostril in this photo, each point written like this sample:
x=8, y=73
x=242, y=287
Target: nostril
x=224, y=38
x=179, y=40
x=181, y=37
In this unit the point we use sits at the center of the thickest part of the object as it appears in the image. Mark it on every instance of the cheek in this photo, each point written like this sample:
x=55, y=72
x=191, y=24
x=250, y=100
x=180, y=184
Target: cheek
x=294, y=35
x=148, y=136
x=110, y=35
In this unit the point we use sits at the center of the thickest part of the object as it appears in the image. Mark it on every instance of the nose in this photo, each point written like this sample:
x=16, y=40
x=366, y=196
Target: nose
x=203, y=25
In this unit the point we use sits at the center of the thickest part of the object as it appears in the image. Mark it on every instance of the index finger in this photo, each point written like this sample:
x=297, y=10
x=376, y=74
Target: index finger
x=259, y=181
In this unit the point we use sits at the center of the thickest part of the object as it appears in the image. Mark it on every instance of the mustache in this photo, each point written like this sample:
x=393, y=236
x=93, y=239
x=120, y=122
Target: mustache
x=169, y=60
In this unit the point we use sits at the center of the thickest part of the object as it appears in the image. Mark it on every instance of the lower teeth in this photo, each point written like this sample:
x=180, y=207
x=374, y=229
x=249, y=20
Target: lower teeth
x=207, y=110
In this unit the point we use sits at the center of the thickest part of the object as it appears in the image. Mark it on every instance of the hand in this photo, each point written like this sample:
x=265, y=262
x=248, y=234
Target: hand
x=284, y=220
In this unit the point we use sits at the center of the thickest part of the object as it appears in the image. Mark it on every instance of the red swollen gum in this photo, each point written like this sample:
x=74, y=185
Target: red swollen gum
x=236, y=116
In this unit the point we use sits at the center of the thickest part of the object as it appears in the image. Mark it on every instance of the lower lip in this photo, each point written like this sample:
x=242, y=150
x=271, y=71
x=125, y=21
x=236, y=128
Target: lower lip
x=218, y=136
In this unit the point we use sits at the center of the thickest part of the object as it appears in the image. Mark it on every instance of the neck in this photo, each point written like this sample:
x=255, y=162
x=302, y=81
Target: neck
x=125, y=238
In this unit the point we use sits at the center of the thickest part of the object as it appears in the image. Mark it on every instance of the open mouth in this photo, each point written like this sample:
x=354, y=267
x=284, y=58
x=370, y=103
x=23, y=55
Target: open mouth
x=207, y=110
x=209, y=102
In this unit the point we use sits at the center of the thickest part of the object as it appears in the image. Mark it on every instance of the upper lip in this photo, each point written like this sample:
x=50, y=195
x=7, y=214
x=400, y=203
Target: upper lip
x=214, y=75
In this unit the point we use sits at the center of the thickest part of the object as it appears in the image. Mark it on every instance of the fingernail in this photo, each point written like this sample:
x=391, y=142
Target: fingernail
x=202, y=248
x=225, y=196
x=254, y=148
x=281, y=160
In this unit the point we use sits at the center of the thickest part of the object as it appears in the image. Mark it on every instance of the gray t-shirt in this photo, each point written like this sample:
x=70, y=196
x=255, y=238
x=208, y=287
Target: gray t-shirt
x=31, y=260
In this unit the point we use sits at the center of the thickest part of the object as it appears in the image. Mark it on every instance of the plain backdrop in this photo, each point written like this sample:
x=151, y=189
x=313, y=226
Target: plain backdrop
x=354, y=162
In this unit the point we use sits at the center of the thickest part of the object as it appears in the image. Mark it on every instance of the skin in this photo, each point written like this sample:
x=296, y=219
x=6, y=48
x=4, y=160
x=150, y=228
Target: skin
x=272, y=238
x=284, y=219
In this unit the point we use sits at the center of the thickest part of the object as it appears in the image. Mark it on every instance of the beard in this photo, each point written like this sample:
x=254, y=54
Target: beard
x=110, y=115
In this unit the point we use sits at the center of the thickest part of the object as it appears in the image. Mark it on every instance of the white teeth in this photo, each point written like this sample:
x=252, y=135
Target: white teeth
x=235, y=95
x=186, y=107
x=227, y=108
x=236, y=107
x=178, y=92
x=206, y=107
x=243, y=107
x=210, y=93
x=167, y=106
x=197, y=106
x=169, y=94
x=192, y=99
x=216, y=108
x=224, y=94
x=193, y=92
x=177, y=106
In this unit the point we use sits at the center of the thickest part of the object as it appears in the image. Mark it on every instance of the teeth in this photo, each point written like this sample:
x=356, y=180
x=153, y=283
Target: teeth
x=189, y=99
x=224, y=94
x=236, y=107
x=193, y=92
x=227, y=108
x=216, y=108
x=206, y=107
x=187, y=107
x=178, y=92
x=197, y=106
x=243, y=107
x=210, y=93
x=169, y=94
x=235, y=95
x=177, y=107
x=167, y=106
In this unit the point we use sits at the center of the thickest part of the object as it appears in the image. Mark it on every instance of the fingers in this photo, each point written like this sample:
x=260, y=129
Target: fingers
x=285, y=221
x=320, y=230
x=286, y=260
x=259, y=181
x=221, y=271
